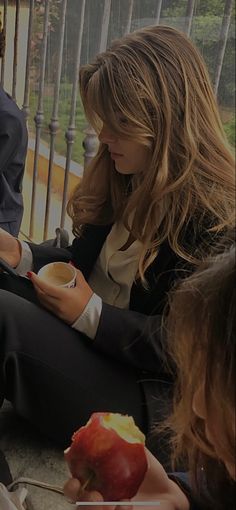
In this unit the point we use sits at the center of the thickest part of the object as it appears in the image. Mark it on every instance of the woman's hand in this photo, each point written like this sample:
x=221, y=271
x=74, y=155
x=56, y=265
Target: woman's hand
x=10, y=248
x=156, y=487
x=67, y=304
x=73, y=493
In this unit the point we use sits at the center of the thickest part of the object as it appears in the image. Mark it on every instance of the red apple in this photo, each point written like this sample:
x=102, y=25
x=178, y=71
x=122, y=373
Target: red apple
x=108, y=453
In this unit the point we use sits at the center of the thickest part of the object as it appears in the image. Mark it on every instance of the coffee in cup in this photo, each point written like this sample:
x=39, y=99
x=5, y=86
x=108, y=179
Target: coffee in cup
x=60, y=274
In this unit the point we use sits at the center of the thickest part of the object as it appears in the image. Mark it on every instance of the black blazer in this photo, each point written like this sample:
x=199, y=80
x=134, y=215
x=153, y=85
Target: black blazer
x=13, y=149
x=133, y=336
x=135, y=332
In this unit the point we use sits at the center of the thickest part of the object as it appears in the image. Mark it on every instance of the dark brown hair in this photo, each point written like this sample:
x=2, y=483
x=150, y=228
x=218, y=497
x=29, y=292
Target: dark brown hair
x=202, y=328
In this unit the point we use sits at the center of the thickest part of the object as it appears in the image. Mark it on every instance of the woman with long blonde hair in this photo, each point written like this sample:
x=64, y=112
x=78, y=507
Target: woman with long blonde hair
x=153, y=90
x=152, y=204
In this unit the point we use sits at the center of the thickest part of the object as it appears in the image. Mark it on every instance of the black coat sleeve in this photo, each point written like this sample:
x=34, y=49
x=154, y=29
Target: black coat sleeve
x=83, y=251
x=10, y=134
x=133, y=338
x=44, y=254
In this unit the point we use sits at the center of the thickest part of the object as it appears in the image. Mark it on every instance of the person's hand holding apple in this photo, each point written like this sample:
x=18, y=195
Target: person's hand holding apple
x=104, y=468
x=107, y=455
x=73, y=493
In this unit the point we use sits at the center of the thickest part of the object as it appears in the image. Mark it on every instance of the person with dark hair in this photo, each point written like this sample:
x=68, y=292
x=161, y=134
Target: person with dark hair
x=202, y=344
x=13, y=150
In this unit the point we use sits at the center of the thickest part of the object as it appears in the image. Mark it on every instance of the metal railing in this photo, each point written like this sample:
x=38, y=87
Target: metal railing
x=37, y=25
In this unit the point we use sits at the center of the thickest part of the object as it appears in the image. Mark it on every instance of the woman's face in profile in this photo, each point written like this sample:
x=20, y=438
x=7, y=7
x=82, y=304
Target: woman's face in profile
x=213, y=427
x=129, y=157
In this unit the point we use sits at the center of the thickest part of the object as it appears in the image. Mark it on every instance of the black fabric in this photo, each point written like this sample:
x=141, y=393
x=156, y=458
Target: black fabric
x=52, y=375
x=198, y=501
x=5, y=474
x=83, y=252
x=56, y=377
x=13, y=149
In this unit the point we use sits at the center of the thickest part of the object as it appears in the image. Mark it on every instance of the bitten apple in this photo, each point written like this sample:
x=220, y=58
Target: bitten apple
x=108, y=455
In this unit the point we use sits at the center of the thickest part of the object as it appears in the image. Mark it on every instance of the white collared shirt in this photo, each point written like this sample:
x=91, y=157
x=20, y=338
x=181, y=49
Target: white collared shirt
x=115, y=270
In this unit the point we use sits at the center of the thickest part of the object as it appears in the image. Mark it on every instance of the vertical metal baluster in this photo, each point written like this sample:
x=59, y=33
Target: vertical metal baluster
x=105, y=25
x=25, y=107
x=4, y=31
x=54, y=124
x=222, y=43
x=70, y=133
x=129, y=16
x=189, y=17
x=39, y=117
x=158, y=12
x=90, y=142
x=15, y=59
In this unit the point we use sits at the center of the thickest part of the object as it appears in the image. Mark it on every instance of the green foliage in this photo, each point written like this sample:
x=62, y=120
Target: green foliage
x=205, y=33
x=38, y=19
x=63, y=114
x=229, y=128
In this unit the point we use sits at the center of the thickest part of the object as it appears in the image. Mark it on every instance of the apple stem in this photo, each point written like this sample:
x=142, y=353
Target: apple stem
x=86, y=483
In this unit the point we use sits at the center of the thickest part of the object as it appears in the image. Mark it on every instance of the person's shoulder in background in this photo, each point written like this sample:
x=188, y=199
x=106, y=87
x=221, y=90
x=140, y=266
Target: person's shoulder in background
x=9, y=110
x=183, y=481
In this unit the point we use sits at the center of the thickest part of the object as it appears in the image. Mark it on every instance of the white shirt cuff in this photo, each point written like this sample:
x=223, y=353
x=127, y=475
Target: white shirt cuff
x=88, y=321
x=26, y=261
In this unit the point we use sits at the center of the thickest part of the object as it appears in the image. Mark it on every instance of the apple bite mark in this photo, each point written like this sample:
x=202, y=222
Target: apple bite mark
x=108, y=455
x=124, y=426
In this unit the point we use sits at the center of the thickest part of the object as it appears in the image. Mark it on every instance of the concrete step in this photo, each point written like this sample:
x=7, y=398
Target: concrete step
x=31, y=455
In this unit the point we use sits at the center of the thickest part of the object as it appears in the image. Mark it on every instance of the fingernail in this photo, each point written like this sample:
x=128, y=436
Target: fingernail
x=29, y=274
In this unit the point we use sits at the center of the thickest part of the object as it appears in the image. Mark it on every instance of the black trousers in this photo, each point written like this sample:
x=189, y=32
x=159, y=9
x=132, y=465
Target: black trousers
x=56, y=379
x=52, y=374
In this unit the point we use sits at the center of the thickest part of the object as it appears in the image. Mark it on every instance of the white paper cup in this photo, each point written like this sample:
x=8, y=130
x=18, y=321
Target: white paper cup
x=60, y=274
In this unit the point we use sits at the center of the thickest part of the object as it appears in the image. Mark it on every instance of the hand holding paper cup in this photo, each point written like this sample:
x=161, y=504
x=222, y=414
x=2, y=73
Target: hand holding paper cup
x=62, y=290
x=60, y=274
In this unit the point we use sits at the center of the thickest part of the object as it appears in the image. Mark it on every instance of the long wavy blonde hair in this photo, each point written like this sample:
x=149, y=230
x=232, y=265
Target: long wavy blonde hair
x=202, y=342
x=157, y=80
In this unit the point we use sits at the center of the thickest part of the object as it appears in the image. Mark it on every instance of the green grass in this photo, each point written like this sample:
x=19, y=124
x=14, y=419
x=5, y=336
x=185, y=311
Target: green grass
x=229, y=128
x=63, y=116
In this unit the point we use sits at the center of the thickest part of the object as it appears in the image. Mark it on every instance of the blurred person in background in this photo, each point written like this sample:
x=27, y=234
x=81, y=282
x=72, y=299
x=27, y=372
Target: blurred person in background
x=13, y=150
